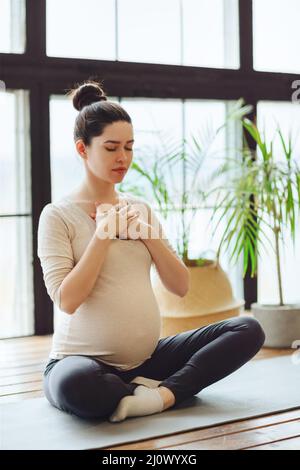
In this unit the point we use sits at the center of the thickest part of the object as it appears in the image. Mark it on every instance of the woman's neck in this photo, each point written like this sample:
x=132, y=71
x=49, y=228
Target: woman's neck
x=89, y=194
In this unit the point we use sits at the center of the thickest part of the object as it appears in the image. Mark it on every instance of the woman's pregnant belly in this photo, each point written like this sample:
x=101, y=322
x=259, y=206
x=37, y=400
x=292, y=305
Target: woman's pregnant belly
x=119, y=324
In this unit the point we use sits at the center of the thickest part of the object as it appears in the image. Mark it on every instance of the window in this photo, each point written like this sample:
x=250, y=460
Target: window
x=12, y=26
x=287, y=115
x=66, y=166
x=202, y=118
x=183, y=32
x=186, y=32
x=210, y=33
x=81, y=29
x=156, y=123
x=16, y=274
x=149, y=31
x=276, y=35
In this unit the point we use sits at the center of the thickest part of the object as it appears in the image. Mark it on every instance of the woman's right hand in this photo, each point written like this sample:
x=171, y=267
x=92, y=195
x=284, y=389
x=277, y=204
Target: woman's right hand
x=115, y=220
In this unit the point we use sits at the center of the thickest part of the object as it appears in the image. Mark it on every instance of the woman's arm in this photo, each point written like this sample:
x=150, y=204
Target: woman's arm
x=172, y=271
x=78, y=284
x=68, y=284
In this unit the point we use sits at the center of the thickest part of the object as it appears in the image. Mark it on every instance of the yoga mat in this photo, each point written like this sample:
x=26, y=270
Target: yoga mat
x=259, y=387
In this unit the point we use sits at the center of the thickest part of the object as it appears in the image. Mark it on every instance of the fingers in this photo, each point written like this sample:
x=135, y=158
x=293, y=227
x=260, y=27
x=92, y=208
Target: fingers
x=122, y=205
x=132, y=212
x=120, y=208
x=132, y=217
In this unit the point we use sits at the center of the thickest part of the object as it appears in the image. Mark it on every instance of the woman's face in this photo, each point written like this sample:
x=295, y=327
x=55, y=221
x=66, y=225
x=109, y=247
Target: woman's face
x=109, y=151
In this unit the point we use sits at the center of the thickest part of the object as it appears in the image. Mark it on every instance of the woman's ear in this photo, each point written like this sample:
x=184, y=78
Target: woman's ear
x=81, y=148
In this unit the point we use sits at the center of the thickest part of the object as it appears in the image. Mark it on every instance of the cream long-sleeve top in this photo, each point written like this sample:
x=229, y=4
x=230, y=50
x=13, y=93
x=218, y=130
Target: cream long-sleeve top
x=119, y=322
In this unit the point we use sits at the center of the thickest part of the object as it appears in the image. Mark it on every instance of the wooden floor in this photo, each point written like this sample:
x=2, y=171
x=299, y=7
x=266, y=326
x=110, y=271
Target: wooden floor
x=23, y=361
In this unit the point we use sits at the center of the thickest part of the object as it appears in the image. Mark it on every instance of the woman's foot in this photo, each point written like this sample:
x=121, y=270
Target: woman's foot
x=167, y=396
x=151, y=383
x=144, y=401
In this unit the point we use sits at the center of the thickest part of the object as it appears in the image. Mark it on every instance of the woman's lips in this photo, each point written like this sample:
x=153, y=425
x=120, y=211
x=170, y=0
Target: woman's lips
x=120, y=171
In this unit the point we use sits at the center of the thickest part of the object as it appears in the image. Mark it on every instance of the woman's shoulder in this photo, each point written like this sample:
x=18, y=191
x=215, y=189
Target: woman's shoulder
x=58, y=212
x=54, y=209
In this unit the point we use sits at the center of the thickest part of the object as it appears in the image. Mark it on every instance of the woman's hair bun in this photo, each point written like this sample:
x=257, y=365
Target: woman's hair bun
x=87, y=93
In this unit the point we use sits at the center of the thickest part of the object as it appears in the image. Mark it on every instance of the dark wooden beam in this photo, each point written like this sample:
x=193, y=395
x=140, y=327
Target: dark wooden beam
x=35, y=47
x=246, y=35
x=250, y=283
x=146, y=80
x=41, y=195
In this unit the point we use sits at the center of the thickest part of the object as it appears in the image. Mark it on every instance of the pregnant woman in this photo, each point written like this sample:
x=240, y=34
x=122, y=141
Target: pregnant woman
x=96, y=247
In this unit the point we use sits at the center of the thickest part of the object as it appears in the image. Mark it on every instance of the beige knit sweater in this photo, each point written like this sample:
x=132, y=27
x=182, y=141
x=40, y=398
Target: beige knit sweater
x=119, y=322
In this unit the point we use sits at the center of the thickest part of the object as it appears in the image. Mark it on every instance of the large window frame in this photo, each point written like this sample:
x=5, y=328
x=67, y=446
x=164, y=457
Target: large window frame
x=42, y=76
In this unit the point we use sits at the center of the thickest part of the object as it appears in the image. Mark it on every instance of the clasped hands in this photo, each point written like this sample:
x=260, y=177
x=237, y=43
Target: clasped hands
x=121, y=221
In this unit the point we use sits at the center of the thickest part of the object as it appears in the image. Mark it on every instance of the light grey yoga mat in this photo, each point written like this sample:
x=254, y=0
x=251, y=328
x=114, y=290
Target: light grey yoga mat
x=259, y=387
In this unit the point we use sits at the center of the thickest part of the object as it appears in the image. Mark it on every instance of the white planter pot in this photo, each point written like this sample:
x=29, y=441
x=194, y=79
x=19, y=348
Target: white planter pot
x=281, y=324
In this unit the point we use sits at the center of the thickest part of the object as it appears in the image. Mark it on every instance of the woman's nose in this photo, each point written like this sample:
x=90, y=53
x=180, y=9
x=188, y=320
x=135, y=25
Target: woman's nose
x=122, y=156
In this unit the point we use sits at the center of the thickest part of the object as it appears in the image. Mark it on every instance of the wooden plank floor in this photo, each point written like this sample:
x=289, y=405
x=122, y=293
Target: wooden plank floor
x=22, y=363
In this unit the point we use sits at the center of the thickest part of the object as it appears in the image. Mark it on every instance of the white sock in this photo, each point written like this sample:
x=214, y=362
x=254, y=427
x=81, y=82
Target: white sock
x=145, y=401
x=151, y=383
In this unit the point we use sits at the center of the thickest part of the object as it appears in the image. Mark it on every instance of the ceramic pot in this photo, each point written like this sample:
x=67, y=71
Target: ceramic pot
x=281, y=324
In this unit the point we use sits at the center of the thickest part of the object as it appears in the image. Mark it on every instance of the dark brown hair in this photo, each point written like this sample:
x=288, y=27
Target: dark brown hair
x=95, y=110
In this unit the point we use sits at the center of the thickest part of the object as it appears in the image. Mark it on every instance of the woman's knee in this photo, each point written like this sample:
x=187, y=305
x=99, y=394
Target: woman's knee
x=88, y=395
x=70, y=390
x=74, y=392
x=254, y=330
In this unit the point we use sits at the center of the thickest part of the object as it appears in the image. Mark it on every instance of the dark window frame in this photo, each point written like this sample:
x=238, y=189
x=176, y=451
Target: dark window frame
x=43, y=76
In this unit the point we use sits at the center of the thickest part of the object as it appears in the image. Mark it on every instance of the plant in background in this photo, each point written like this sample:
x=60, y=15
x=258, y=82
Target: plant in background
x=259, y=198
x=175, y=178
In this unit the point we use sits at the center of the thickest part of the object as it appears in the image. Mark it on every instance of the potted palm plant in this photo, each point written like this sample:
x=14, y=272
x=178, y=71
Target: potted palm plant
x=259, y=196
x=174, y=181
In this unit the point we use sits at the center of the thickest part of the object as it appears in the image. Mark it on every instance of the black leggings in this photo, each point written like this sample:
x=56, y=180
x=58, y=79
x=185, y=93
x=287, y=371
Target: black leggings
x=186, y=363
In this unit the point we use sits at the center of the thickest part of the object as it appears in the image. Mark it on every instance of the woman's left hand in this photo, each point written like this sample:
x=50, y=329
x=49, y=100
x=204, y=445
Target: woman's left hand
x=139, y=229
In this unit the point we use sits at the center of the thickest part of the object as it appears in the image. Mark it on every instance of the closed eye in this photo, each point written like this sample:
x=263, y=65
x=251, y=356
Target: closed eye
x=113, y=150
